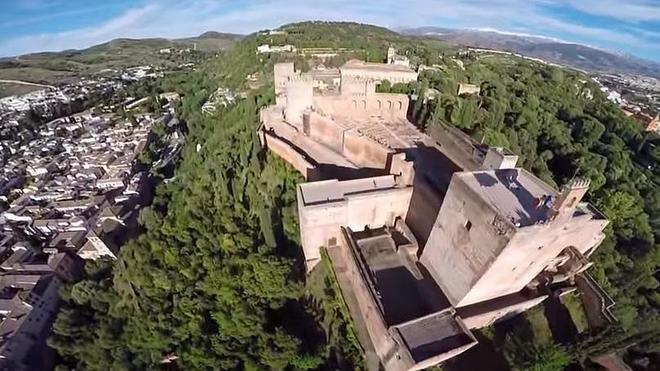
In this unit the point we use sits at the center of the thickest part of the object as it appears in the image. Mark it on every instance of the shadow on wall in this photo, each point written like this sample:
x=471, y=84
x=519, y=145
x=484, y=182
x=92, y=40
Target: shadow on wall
x=332, y=171
x=433, y=172
x=483, y=356
x=399, y=295
x=433, y=164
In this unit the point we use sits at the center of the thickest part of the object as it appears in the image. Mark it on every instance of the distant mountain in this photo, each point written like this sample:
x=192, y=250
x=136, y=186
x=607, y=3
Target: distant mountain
x=211, y=40
x=219, y=35
x=69, y=65
x=552, y=50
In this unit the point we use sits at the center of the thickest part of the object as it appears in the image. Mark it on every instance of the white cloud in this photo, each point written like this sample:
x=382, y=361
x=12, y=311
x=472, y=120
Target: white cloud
x=172, y=18
x=624, y=10
x=520, y=34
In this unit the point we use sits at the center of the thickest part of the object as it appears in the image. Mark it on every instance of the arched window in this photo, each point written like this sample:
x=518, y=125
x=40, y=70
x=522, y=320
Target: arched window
x=380, y=105
x=355, y=104
x=364, y=104
x=389, y=105
x=400, y=106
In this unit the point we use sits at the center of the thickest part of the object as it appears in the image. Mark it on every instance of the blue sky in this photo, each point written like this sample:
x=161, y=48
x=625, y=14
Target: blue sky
x=627, y=26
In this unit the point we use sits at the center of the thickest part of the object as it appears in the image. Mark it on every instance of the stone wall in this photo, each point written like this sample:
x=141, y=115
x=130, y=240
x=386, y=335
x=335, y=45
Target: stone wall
x=363, y=106
x=530, y=252
x=485, y=314
x=424, y=207
x=367, y=311
x=357, y=86
x=377, y=209
x=324, y=130
x=363, y=151
x=320, y=224
x=290, y=155
x=379, y=72
x=463, y=242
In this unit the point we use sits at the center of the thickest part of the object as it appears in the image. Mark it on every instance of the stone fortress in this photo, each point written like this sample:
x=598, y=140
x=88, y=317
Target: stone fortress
x=429, y=238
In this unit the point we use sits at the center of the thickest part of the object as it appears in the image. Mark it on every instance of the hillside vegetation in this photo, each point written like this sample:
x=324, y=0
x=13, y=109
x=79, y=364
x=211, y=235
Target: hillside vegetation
x=214, y=281
x=69, y=65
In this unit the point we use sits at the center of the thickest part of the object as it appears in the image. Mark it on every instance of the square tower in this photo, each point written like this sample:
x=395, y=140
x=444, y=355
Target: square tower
x=498, y=230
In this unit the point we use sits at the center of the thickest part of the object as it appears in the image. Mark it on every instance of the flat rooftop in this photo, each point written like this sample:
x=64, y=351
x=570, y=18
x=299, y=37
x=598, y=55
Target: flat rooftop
x=512, y=192
x=390, y=132
x=433, y=335
x=334, y=190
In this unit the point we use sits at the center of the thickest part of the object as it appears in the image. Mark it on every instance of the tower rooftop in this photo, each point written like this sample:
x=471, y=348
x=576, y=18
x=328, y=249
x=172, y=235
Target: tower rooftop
x=514, y=193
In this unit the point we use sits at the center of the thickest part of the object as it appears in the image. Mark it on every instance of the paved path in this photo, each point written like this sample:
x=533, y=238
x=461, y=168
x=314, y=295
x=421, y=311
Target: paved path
x=26, y=83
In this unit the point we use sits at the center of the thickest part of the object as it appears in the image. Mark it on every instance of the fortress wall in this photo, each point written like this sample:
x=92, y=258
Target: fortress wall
x=404, y=171
x=528, y=254
x=385, y=104
x=320, y=226
x=357, y=86
x=376, y=209
x=457, y=255
x=363, y=307
x=363, y=106
x=379, y=74
x=288, y=154
x=363, y=151
x=485, y=314
x=325, y=130
x=424, y=207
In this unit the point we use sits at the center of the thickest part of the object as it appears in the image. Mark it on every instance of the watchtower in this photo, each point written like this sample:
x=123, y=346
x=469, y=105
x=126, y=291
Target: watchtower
x=299, y=97
x=564, y=206
x=281, y=74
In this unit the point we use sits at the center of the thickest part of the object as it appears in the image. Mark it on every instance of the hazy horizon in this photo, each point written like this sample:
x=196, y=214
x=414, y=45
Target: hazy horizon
x=28, y=26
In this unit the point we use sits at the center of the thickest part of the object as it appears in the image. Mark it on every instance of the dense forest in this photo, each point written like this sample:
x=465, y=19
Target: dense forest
x=214, y=280
x=562, y=126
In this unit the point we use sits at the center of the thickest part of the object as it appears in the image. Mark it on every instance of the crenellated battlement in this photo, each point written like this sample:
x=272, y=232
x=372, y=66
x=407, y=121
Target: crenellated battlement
x=300, y=79
x=355, y=85
x=578, y=184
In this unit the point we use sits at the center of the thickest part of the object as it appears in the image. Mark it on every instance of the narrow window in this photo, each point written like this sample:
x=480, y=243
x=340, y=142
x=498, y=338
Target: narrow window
x=468, y=225
x=570, y=204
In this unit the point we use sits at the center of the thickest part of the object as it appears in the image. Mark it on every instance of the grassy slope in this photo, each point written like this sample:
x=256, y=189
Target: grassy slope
x=53, y=68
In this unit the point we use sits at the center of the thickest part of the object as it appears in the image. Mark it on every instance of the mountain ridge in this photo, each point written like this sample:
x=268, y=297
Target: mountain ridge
x=571, y=54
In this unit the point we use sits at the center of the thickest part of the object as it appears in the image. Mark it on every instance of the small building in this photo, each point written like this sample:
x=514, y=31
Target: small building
x=27, y=310
x=265, y=48
x=394, y=73
x=468, y=89
x=94, y=248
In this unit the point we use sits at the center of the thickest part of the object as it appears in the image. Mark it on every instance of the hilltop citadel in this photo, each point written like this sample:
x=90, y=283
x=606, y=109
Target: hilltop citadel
x=429, y=238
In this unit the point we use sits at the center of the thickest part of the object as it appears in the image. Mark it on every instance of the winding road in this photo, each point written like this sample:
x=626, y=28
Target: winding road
x=25, y=83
